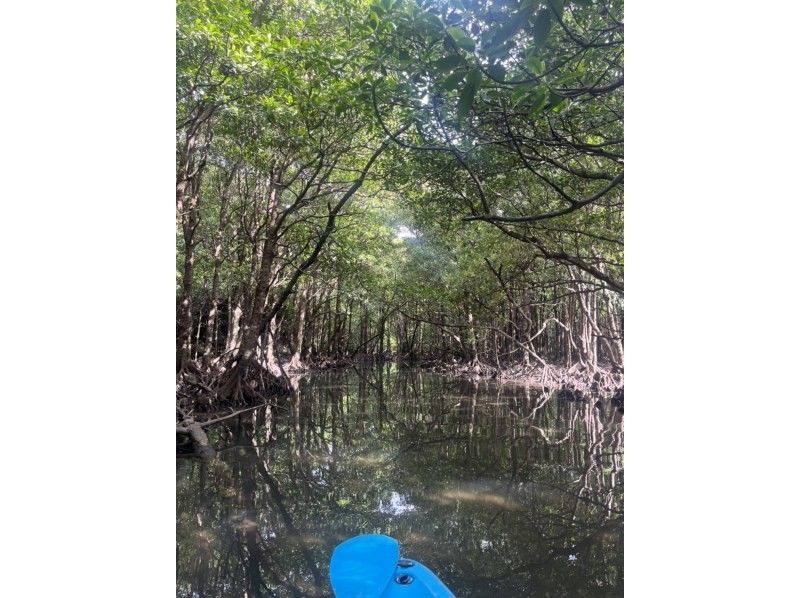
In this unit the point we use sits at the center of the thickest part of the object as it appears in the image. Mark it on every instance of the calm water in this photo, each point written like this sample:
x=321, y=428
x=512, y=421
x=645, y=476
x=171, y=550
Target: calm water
x=498, y=490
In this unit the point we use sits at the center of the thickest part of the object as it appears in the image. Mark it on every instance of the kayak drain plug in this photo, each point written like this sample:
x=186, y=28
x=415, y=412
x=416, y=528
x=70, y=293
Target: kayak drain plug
x=404, y=579
x=404, y=563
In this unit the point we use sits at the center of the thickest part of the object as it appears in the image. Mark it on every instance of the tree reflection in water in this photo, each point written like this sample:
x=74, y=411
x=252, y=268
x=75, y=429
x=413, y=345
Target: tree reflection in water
x=500, y=490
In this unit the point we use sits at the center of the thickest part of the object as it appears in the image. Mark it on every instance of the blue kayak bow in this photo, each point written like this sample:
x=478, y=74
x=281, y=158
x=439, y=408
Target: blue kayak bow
x=370, y=566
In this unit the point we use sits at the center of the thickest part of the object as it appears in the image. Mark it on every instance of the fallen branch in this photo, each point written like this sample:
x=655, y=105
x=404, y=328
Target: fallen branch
x=199, y=438
x=229, y=416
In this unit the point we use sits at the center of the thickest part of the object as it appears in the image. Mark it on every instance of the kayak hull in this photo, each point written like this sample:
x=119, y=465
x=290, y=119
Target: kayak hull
x=370, y=566
x=423, y=583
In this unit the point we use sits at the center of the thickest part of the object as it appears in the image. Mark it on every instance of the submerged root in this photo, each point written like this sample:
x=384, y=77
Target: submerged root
x=574, y=381
x=231, y=384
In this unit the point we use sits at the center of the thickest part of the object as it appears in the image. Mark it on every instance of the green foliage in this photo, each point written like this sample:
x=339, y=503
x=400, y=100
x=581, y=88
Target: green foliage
x=540, y=80
x=461, y=39
x=541, y=27
x=471, y=87
x=506, y=119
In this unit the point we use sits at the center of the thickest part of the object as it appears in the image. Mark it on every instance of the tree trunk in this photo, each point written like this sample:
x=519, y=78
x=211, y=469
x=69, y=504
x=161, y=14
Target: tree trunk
x=211, y=326
x=187, y=204
x=271, y=359
x=473, y=342
x=296, y=363
x=257, y=308
x=234, y=323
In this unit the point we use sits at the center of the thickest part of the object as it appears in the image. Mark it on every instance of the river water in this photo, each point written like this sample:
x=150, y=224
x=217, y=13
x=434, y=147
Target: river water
x=500, y=490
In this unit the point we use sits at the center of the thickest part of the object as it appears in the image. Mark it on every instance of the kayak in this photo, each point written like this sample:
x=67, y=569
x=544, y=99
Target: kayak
x=370, y=566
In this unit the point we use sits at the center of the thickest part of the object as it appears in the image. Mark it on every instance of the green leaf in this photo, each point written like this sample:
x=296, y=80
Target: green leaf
x=374, y=21
x=453, y=80
x=474, y=77
x=541, y=27
x=510, y=27
x=518, y=94
x=432, y=23
x=557, y=103
x=462, y=39
x=568, y=78
x=498, y=51
x=558, y=6
x=497, y=72
x=536, y=65
x=468, y=93
x=539, y=99
x=447, y=63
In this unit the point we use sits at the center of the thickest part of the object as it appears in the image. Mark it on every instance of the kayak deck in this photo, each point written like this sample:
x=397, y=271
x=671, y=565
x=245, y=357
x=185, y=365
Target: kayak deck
x=369, y=566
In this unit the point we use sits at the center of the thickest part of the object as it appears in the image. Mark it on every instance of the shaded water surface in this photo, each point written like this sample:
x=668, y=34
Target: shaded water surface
x=499, y=490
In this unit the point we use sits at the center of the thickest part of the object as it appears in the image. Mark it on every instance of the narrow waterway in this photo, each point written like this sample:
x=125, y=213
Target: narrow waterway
x=500, y=490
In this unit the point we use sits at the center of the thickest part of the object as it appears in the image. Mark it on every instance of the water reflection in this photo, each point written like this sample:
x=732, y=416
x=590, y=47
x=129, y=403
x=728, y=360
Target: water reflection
x=500, y=490
x=396, y=505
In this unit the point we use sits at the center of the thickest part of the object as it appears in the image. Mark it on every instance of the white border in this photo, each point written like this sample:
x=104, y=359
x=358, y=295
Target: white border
x=711, y=316
x=88, y=298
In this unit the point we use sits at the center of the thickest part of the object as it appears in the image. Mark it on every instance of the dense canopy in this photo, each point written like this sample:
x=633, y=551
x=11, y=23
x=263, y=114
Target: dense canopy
x=428, y=181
